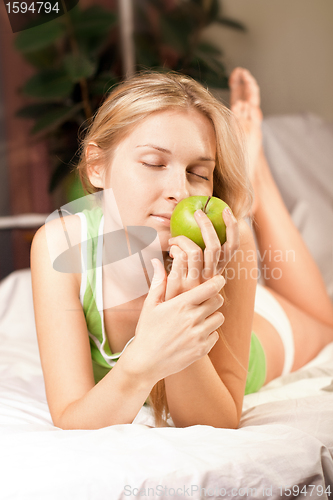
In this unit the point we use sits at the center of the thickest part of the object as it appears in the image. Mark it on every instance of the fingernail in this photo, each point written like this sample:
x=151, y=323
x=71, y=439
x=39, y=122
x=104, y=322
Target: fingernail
x=230, y=214
x=158, y=276
x=220, y=280
x=199, y=213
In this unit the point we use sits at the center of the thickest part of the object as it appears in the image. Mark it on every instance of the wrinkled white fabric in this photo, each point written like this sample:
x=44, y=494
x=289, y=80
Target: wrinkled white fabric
x=285, y=436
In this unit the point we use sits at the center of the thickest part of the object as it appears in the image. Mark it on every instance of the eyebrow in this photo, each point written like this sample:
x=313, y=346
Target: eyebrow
x=201, y=158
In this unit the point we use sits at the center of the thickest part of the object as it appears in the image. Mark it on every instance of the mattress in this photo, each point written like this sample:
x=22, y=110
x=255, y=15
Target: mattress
x=283, y=447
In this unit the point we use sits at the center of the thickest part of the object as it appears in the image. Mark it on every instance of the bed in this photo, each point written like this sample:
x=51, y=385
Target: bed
x=284, y=444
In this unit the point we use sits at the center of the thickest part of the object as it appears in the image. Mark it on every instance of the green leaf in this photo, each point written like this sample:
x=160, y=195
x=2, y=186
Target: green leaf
x=93, y=21
x=211, y=79
x=78, y=66
x=60, y=172
x=73, y=187
x=174, y=33
x=231, y=23
x=49, y=84
x=54, y=118
x=205, y=48
x=102, y=83
x=208, y=61
x=146, y=55
x=39, y=37
x=92, y=47
x=209, y=71
x=213, y=11
x=42, y=59
x=36, y=110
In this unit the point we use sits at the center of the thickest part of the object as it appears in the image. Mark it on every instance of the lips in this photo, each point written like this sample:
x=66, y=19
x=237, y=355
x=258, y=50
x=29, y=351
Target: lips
x=165, y=216
x=162, y=218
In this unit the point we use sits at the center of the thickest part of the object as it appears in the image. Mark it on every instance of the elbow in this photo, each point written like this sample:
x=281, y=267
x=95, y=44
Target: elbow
x=61, y=422
x=67, y=421
x=216, y=423
x=217, y=419
x=70, y=424
x=230, y=421
x=73, y=419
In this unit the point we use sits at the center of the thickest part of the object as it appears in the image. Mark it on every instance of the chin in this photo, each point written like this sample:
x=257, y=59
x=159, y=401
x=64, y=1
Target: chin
x=164, y=235
x=164, y=242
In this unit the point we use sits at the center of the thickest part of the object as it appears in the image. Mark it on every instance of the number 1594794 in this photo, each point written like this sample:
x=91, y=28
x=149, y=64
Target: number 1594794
x=34, y=7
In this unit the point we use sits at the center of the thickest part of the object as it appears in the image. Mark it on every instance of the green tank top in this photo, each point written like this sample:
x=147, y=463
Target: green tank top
x=91, y=297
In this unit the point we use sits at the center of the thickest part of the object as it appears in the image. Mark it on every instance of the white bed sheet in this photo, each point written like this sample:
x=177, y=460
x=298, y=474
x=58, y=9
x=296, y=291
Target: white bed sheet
x=285, y=437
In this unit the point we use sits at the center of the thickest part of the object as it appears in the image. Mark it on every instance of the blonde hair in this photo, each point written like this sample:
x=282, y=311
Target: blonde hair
x=149, y=92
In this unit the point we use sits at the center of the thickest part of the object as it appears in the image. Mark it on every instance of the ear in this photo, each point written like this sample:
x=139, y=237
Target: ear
x=95, y=170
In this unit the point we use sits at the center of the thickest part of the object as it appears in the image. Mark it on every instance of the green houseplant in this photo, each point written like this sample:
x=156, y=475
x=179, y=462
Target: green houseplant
x=77, y=59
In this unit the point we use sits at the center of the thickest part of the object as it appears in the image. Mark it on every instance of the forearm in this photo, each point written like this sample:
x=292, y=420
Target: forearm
x=197, y=396
x=116, y=399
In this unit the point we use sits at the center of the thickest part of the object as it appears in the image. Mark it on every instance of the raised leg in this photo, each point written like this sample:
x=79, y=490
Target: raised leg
x=289, y=271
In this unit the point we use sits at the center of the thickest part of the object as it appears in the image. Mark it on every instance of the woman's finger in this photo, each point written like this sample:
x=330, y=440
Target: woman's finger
x=213, y=245
x=179, y=264
x=178, y=273
x=194, y=259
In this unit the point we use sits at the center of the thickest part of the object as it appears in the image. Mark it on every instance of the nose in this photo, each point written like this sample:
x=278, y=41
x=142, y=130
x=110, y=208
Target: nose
x=177, y=187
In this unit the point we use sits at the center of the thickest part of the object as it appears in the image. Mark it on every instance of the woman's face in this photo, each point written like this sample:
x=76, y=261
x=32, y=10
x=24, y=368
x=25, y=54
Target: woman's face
x=167, y=157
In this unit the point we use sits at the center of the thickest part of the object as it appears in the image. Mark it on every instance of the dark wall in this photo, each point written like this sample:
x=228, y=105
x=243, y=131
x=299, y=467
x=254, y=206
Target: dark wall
x=6, y=260
x=24, y=167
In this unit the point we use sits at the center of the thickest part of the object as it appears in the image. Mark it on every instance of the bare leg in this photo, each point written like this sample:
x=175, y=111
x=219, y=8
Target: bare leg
x=289, y=268
x=289, y=271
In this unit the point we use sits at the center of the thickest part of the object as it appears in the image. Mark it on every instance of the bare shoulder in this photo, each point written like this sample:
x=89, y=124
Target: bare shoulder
x=55, y=242
x=241, y=269
x=246, y=235
x=51, y=283
x=58, y=229
x=245, y=255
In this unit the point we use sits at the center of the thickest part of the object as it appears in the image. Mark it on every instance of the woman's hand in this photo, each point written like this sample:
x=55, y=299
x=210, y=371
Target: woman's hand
x=173, y=334
x=191, y=266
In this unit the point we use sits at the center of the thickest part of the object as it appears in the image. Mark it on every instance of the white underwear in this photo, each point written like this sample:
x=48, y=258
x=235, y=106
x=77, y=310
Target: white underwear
x=269, y=308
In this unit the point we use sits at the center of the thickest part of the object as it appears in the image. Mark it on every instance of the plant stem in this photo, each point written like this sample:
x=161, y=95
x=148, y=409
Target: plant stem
x=204, y=209
x=75, y=50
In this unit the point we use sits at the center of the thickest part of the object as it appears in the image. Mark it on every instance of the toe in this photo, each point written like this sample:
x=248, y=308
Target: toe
x=236, y=86
x=235, y=76
x=244, y=87
x=251, y=89
x=256, y=115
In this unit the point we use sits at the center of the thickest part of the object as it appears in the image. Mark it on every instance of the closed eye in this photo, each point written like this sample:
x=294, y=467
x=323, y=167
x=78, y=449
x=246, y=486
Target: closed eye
x=159, y=166
x=201, y=176
x=149, y=165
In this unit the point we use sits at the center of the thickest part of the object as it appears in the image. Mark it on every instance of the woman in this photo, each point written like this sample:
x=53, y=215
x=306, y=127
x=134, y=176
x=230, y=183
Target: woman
x=156, y=140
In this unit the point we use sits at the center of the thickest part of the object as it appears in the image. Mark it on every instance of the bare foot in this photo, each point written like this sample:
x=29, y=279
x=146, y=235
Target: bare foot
x=244, y=87
x=245, y=104
x=250, y=118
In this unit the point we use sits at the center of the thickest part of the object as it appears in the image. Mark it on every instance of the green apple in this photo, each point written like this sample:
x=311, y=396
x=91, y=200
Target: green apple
x=183, y=222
